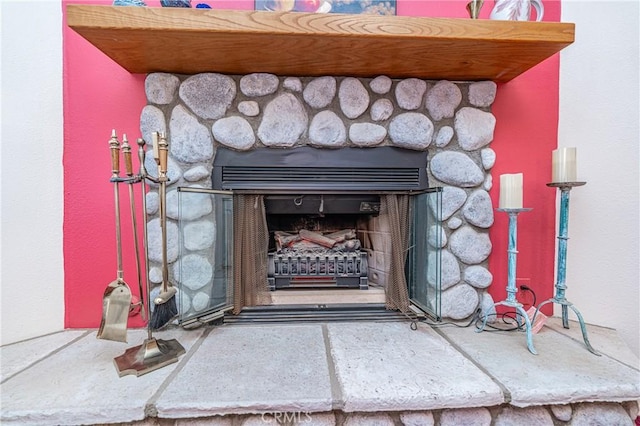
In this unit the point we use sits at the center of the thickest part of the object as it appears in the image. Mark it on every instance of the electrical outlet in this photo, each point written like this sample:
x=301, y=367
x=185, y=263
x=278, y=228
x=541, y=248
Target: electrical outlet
x=523, y=282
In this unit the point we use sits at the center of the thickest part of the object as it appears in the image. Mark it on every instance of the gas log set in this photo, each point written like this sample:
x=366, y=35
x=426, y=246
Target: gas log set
x=310, y=259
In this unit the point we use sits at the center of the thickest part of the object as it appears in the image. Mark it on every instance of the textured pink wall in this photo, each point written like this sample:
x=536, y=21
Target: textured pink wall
x=99, y=95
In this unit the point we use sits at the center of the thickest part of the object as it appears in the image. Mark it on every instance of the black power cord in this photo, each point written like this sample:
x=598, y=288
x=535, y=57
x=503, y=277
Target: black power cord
x=511, y=318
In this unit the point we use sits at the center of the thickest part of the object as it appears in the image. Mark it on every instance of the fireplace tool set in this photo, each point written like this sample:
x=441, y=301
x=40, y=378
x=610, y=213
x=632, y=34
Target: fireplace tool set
x=118, y=301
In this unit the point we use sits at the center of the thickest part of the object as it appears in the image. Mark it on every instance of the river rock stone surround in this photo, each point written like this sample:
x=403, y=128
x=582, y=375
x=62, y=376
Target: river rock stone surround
x=450, y=120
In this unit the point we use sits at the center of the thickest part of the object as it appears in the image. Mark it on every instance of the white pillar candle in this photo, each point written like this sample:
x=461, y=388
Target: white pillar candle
x=511, y=191
x=564, y=165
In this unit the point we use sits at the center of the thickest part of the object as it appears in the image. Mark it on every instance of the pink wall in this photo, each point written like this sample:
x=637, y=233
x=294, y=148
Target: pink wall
x=99, y=95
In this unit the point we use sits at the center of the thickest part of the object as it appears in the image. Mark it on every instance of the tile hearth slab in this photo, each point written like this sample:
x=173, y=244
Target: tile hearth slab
x=252, y=369
x=563, y=372
x=18, y=356
x=79, y=384
x=394, y=368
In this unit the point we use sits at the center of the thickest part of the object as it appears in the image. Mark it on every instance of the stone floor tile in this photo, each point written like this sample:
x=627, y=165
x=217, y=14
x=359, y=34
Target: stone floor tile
x=248, y=369
x=20, y=355
x=80, y=385
x=563, y=371
x=394, y=368
x=605, y=340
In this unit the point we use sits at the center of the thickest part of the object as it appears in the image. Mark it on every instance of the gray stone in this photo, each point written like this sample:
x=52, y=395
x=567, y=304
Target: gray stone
x=196, y=173
x=234, y=132
x=292, y=83
x=366, y=134
x=353, y=97
x=184, y=302
x=411, y=130
x=284, y=121
x=444, y=136
x=151, y=120
x=208, y=95
x=174, y=172
x=562, y=412
x=410, y=92
x=632, y=407
x=200, y=301
x=456, y=168
x=194, y=206
x=478, y=209
x=381, y=109
x=443, y=99
x=478, y=276
x=454, y=223
x=449, y=270
x=380, y=419
x=466, y=417
x=488, y=157
x=488, y=182
x=452, y=199
x=155, y=275
x=78, y=384
x=161, y=88
x=488, y=308
x=600, y=414
x=298, y=358
x=193, y=271
x=482, y=93
x=320, y=92
x=259, y=84
x=19, y=356
x=152, y=202
x=436, y=236
x=474, y=128
x=249, y=108
x=417, y=418
x=534, y=416
x=154, y=236
x=378, y=371
x=327, y=130
x=199, y=235
x=208, y=421
x=459, y=302
x=469, y=245
x=190, y=141
x=381, y=84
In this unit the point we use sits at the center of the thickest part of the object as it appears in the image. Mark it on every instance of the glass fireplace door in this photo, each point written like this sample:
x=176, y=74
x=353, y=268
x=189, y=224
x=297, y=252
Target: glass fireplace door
x=423, y=258
x=204, y=269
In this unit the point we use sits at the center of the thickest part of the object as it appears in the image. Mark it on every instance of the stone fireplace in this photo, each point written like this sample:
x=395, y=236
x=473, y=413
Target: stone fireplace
x=449, y=121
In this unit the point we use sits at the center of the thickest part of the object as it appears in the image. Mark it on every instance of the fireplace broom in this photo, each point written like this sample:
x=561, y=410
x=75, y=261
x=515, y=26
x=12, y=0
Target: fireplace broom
x=165, y=308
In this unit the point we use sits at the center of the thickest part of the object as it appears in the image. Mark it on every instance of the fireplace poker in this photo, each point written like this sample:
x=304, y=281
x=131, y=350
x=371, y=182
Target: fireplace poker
x=126, y=152
x=116, y=300
x=153, y=353
x=165, y=303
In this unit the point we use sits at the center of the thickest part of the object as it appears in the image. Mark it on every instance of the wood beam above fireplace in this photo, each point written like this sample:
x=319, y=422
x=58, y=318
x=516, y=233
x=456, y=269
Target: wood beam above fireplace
x=191, y=41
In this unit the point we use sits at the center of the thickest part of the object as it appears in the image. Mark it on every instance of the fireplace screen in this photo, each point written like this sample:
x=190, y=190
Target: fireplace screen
x=216, y=272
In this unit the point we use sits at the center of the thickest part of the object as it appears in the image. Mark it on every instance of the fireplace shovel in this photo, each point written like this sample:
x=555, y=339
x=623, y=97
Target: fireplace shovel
x=116, y=300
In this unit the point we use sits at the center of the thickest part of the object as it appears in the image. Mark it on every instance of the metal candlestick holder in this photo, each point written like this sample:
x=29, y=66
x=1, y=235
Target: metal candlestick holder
x=561, y=286
x=511, y=300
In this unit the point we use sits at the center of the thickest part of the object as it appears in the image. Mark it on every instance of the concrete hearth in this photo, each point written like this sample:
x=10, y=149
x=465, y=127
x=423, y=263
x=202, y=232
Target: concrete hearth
x=327, y=374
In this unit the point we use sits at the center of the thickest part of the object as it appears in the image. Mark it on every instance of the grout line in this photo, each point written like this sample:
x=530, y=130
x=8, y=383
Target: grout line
x=150, y=409
x=48, y=355
x=505, y=391
x=337, y=400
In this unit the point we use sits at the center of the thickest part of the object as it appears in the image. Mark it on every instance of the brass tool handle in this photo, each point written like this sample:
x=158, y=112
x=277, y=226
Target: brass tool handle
x=126, y=152
x=155, y=141
x=114, y=146
x=163, y=153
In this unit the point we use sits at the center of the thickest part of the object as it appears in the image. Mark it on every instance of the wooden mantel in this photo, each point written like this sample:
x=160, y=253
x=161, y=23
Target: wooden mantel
x=191, y=41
